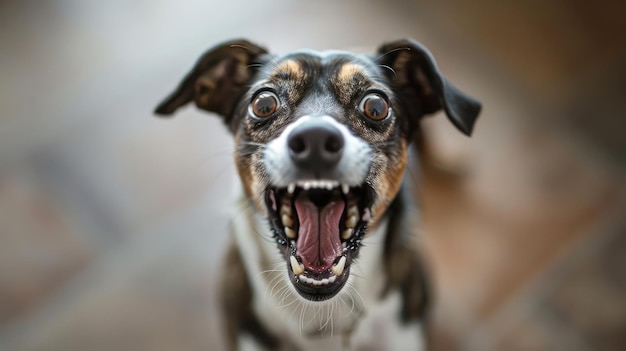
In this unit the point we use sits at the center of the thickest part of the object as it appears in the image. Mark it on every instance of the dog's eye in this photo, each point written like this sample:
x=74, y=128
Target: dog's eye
x=264, y=104
x=374, y=107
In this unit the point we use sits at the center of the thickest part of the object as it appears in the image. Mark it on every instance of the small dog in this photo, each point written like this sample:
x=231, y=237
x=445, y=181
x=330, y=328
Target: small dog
x=321, y=149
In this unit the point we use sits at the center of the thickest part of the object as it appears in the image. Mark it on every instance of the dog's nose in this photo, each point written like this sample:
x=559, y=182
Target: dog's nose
x=315, y=145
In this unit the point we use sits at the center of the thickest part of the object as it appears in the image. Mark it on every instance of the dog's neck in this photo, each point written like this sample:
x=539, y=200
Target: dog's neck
x=275, y=299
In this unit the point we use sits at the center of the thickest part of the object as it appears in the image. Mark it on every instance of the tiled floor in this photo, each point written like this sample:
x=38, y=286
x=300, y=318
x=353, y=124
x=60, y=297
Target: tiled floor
x=112, y=222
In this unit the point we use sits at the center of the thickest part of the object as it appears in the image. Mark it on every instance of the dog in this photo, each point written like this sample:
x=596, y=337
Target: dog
x=322, y=254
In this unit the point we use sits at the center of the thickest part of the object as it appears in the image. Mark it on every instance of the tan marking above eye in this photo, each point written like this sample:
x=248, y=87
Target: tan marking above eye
x=291, y=68
x=348, y=71
x=264, y=104
x=374, y=107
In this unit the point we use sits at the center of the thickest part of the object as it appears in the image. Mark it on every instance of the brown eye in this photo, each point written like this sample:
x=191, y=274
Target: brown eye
x=374, y=107
x=264, y=105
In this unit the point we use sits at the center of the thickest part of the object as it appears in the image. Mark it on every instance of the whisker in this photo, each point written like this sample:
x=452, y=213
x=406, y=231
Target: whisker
x=358, y=294
x=268, y=271
x=242, y=47
x=295, y=309
x=351, y=307
x=389, y=68
x=254, y=65
x=302, y=311
x=274, y=286
x=392, y=51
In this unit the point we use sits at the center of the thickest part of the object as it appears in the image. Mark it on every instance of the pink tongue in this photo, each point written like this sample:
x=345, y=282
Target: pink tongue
x=318, y=242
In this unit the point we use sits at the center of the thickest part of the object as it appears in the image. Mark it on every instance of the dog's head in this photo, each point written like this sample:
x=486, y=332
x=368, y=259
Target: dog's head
x=321, y=140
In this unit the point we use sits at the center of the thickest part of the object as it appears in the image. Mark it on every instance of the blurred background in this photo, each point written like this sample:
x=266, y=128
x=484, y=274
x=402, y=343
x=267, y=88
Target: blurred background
x=112, y=221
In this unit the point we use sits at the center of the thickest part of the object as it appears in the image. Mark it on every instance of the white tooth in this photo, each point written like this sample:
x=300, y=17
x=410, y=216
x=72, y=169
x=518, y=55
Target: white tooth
x=287, y=221
x=353, y=211
x=317, y=282
x=345, y=188
x=295, y=266
x=306, y=185
x=346, y=234
x=338, y=268
x=329, y=186
x=291, y=188
x=332, y=279
x=285, y=210
x=291, y=234
x=351, y=222
x=325, y=281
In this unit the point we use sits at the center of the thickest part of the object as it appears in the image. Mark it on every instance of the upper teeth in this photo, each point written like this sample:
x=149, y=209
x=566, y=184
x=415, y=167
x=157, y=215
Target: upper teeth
x=352, y=217
x=318, y=184
x=347, y=233
x=291, y=234
x=353, y=210
x=285, y=210
x=285, y=217
x=287, y=221
x=345, y=188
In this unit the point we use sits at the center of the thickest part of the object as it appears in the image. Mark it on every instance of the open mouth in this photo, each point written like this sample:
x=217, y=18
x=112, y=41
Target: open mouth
x=319, y=225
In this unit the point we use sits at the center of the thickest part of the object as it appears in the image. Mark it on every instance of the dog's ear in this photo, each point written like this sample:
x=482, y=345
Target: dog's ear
x=217, y=80
x=414, y=72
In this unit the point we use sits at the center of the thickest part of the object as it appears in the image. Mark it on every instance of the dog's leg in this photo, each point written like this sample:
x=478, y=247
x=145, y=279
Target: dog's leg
x=236, y=304
x=403, y=267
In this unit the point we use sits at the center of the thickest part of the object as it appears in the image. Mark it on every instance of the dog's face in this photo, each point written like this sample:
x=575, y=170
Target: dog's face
x=321, y=141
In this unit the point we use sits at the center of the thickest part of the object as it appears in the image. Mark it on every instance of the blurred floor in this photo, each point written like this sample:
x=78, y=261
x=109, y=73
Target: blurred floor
x=112, y=222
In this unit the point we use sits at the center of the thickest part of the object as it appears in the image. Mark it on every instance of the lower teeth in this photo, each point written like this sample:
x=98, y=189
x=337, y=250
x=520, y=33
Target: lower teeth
x=298, y=270
x=316, y=282
x=346, y=234
x=296, y=267
x=338, y=268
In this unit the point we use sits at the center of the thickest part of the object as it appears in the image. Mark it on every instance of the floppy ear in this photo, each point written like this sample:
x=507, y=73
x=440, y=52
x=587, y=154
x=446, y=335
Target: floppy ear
x=418, y=80
x=217, y=80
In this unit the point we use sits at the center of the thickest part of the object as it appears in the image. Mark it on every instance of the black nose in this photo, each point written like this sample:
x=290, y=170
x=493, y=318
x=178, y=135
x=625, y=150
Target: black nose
x=315, y=145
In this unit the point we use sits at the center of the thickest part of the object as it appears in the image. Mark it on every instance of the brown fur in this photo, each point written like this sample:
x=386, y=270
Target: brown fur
x=289, y=70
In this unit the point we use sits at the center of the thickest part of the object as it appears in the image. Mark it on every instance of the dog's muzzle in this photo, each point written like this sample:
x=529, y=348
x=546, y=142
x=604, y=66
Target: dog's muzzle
x=319, y=203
